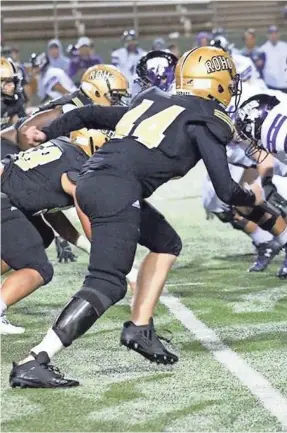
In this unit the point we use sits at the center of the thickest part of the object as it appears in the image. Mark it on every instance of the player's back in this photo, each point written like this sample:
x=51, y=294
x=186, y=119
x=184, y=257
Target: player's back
x=155, y=139
x=32, y=179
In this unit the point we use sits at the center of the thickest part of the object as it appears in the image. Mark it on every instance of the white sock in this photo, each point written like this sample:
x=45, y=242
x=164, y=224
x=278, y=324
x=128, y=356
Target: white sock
x=282, y=239
x=132, y=275
x=51, y=344
x=84, y=244
x=3, y=307
x=260, y=236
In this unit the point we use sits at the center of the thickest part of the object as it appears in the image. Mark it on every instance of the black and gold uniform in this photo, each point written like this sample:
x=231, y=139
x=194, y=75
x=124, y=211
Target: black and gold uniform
x=31, y=183
x=158, y=138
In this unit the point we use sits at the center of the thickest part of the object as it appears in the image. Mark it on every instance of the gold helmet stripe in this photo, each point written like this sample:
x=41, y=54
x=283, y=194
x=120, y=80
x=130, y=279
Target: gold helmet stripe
x=182, y=65
x=225, y=118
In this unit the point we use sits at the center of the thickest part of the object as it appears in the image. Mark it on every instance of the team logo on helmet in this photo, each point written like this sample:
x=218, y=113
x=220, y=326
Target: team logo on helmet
x=101, y=75
x=218, y=63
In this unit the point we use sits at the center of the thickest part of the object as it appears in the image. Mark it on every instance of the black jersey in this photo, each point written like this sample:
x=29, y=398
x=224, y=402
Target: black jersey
x=161, y=137
x=32, y=179
x=11, y=108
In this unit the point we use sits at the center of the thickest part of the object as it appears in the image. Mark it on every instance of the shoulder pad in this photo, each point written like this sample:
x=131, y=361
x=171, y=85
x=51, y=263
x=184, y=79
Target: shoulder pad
x=218, y=121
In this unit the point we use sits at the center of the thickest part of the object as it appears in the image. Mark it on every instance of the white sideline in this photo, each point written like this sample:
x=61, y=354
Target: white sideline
x=257, y=384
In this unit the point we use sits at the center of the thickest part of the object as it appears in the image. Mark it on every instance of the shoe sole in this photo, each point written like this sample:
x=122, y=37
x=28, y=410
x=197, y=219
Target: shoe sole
x=20, y=383
x=152, y=357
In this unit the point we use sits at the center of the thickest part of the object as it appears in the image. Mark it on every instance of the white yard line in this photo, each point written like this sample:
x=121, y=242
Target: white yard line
x=257, y=384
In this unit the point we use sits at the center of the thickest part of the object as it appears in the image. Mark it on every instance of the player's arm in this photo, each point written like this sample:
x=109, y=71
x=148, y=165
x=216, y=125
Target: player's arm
x=39, y=120
x=90, y=117
x=9, y=134
x=59, y=88
x=213, y=153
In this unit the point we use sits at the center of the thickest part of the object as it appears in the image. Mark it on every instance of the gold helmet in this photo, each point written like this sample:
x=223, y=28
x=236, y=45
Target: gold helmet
x=8, y=74
x=210, y=73
x=104, y=85
x=90, y=140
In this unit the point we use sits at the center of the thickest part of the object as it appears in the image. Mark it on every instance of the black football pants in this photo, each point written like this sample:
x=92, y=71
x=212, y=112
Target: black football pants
x=120, y=219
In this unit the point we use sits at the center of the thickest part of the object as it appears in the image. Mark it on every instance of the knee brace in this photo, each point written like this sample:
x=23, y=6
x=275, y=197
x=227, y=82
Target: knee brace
x=258, y=215
x=104, y=296
x=74, y=320
x=229, y=217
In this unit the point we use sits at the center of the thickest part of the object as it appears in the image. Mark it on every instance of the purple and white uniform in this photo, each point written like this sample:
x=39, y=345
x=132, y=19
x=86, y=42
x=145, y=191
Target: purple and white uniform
x=274, y=130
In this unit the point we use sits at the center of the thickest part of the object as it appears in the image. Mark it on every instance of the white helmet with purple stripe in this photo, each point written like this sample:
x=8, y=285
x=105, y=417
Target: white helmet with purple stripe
x=249, y=120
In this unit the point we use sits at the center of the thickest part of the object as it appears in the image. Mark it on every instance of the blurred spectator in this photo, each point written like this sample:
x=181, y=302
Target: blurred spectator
x=83, y=59
x=174, y=49
x=159, y=44
x=56, y=56
x=127, y=57
x=274, y=71
x=52, y=82
x=203, y=39
x=252, y=51
x=218, y=31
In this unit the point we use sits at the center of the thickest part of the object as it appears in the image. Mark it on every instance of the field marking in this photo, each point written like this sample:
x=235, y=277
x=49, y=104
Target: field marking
x=257, y=384
x=183, y=284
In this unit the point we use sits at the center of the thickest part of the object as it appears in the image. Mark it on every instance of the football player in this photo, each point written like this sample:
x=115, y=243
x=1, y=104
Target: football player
x=158, y=138
x=157, y=69
x=262, y=121
x=12, y=100
x=266, y=246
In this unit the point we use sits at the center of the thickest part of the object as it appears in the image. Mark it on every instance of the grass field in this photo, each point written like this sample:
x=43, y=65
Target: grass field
x=229, y=329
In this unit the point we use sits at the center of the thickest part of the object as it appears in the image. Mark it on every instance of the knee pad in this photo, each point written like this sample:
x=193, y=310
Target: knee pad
x=74, y=320
x=45, y=269
x=156, y=233
x=258, y=215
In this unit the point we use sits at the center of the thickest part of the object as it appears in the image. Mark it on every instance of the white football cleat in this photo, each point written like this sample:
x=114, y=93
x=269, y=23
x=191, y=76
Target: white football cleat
x=6, y=328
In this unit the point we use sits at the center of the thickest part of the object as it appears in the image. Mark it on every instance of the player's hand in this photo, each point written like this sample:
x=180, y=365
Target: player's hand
x=64, y=251
x=33, y=136
x=259, y=193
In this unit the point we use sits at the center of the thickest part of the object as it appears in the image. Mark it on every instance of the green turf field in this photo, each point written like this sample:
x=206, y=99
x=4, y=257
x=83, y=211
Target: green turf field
x=232, y=373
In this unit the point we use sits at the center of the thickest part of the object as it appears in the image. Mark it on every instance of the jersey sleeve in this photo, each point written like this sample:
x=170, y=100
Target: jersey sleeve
x=90, y=117
x=213, y=154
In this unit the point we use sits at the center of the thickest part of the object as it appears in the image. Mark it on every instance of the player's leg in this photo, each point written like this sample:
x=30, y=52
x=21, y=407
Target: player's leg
x=23, y=251
x=109, y=203
x=164, y=245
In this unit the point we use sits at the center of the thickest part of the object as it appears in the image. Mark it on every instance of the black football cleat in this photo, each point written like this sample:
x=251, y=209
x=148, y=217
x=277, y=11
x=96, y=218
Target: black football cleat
x=265, y=254
x=144, y=340
x=282, y=273
x=39, y=374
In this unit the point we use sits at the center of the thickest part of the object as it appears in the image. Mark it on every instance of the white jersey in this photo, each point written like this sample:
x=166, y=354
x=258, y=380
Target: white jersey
x=127, y=62
x=49, y=79
x=274, y=130
x=245, y=68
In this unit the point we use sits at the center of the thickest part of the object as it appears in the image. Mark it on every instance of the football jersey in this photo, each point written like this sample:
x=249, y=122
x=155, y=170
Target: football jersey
x=274, y=130
x=32, y=179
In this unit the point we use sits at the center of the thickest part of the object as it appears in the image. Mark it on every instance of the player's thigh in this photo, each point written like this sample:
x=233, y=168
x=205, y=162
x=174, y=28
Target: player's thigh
x=22, y=246
x=156, y=233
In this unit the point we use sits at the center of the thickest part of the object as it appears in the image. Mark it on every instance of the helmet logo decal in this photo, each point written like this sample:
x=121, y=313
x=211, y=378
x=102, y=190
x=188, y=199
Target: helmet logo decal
x=101, y=75
x=218, y=63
